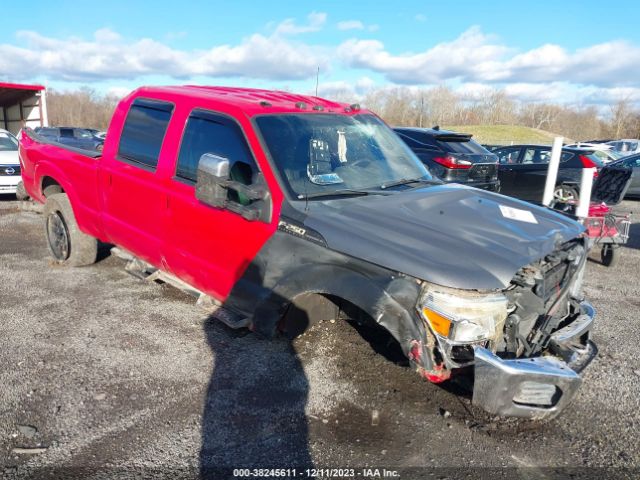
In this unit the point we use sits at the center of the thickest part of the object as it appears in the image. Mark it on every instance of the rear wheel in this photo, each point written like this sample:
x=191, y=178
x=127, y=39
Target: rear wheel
x=67, y=244
x=610, y=255
x=565, y=193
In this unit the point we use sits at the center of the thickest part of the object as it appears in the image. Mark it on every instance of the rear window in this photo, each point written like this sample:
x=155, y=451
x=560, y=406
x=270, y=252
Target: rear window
x=462, y=145
x=417, y=139
x=143, y=131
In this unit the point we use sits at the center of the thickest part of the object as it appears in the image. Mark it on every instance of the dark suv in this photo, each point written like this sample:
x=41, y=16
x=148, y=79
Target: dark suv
x=84, y=138
x=453, y=157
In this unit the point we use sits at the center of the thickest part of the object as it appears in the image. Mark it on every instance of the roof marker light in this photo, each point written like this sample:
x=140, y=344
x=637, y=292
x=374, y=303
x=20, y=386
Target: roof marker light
x=355, y=106
x=301, y=105
x=264, y=103
x=318, y=107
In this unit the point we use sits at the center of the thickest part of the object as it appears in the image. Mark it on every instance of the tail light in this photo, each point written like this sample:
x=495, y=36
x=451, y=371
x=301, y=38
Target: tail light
x=452, y=162
x=588, y=163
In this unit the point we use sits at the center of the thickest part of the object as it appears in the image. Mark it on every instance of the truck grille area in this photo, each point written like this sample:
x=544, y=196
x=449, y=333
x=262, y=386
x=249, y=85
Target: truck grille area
x=9, y=170
x=539, y=300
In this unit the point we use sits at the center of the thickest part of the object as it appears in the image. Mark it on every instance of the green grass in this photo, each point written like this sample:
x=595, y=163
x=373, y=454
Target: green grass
x=506, y=134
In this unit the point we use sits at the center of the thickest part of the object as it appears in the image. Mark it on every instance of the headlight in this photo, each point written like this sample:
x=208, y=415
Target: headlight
x=463, y=316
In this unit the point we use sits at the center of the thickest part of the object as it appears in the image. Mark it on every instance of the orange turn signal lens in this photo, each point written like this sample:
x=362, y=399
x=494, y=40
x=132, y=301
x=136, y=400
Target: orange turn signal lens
x=442, y=325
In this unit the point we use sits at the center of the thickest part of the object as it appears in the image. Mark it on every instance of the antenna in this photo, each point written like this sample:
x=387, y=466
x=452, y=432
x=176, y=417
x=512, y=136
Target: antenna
x=317, y=77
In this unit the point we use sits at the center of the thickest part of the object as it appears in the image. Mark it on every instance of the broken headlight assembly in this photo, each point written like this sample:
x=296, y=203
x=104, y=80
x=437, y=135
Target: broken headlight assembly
x=462, y=316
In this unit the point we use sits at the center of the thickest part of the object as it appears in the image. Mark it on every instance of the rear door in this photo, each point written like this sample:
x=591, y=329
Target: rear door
x=531, y=173
x=208, y=247
x=133, y=199
x=508, y=158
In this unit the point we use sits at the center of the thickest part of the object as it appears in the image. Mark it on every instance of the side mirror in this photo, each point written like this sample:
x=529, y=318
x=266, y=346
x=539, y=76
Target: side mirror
x=212, y=177
x=213, y=182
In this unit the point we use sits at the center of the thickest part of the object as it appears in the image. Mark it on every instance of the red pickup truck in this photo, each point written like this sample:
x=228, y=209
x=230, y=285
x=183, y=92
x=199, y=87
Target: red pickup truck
x=286, y=209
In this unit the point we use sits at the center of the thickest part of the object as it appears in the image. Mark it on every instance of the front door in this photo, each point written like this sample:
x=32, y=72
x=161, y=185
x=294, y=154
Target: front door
x=210, y=248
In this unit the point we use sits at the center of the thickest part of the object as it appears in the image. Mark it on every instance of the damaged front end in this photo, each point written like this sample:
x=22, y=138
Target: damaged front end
x=527, y=343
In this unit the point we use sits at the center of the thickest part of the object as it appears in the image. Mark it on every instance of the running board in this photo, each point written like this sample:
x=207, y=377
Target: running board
x=145, y=271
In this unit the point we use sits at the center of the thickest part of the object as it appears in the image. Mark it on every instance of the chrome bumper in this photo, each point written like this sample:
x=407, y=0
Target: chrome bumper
x=539, y=387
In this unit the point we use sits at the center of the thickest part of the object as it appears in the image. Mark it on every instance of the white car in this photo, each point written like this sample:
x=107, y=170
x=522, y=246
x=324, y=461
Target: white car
x=606, y=153
x=626, y=146
x=9, y=163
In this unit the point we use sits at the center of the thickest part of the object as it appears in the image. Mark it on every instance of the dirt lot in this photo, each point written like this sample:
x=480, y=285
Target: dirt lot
x=109, y=376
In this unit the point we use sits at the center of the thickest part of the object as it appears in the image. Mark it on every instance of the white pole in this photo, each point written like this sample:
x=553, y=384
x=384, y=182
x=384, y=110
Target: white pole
x=586, y=184
x=43, y=105
x=552, y=171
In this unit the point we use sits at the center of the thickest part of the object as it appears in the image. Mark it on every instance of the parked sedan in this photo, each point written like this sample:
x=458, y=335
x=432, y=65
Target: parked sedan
x=452, y=156
x=9, y=164
x=83, y=138
x=523, y=170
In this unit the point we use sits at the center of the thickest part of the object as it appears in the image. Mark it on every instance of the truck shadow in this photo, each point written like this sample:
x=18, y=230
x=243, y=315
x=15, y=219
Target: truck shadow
x=254, y=409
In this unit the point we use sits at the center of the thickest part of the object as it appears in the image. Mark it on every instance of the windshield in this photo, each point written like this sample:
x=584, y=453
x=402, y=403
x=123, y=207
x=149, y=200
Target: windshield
x=8, y=143
x=317, y=153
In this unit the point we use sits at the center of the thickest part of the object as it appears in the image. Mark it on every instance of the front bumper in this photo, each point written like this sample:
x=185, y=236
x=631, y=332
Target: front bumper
x=539, y=387
x=8, y=188
x=8, y=184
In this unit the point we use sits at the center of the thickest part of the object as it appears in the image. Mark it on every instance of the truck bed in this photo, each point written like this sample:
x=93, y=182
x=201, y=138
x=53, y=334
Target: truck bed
x=48, y=166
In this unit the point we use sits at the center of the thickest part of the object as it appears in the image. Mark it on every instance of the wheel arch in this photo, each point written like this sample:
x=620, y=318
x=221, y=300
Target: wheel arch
x=389, y=302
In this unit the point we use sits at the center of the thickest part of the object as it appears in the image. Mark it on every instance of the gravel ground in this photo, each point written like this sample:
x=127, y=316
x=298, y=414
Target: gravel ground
x=106, y=376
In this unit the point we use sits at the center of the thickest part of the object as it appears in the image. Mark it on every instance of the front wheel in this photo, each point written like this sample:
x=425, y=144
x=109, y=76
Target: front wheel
x=67, y=244
x=610, y=255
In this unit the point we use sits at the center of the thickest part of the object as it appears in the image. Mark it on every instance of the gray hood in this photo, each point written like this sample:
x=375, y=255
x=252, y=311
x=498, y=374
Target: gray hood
x=448, y=234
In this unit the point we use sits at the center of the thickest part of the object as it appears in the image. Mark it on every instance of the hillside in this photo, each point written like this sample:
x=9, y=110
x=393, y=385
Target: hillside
x=506, y=134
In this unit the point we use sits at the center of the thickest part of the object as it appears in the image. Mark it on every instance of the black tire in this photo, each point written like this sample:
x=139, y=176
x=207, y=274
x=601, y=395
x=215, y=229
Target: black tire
x=562, y=193
x=610, y=255
x=21, y=193
x=67, y=244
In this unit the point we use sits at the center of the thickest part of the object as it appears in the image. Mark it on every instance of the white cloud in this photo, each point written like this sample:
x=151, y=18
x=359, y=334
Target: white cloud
x=468, y=55
x=474, y=62
x=350, y=25
x=109, y=56
x=477, y=57
x=316, y=21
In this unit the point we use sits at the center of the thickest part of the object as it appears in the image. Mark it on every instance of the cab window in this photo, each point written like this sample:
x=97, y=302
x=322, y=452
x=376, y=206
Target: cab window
x=207, y=132
x=144, y=131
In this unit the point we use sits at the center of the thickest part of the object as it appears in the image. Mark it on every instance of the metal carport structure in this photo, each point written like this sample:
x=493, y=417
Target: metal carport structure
x=22, y=106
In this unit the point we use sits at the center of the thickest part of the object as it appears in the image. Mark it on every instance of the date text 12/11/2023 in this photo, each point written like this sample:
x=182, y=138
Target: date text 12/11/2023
x=315, y=473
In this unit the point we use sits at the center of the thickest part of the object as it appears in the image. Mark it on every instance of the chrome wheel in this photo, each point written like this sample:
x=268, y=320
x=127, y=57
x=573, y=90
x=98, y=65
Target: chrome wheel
x=565, y=194
x=58, y=236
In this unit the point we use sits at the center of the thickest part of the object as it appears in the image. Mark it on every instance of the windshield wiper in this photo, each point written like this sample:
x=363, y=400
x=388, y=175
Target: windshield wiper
x=406, y=181
x=345, y=192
